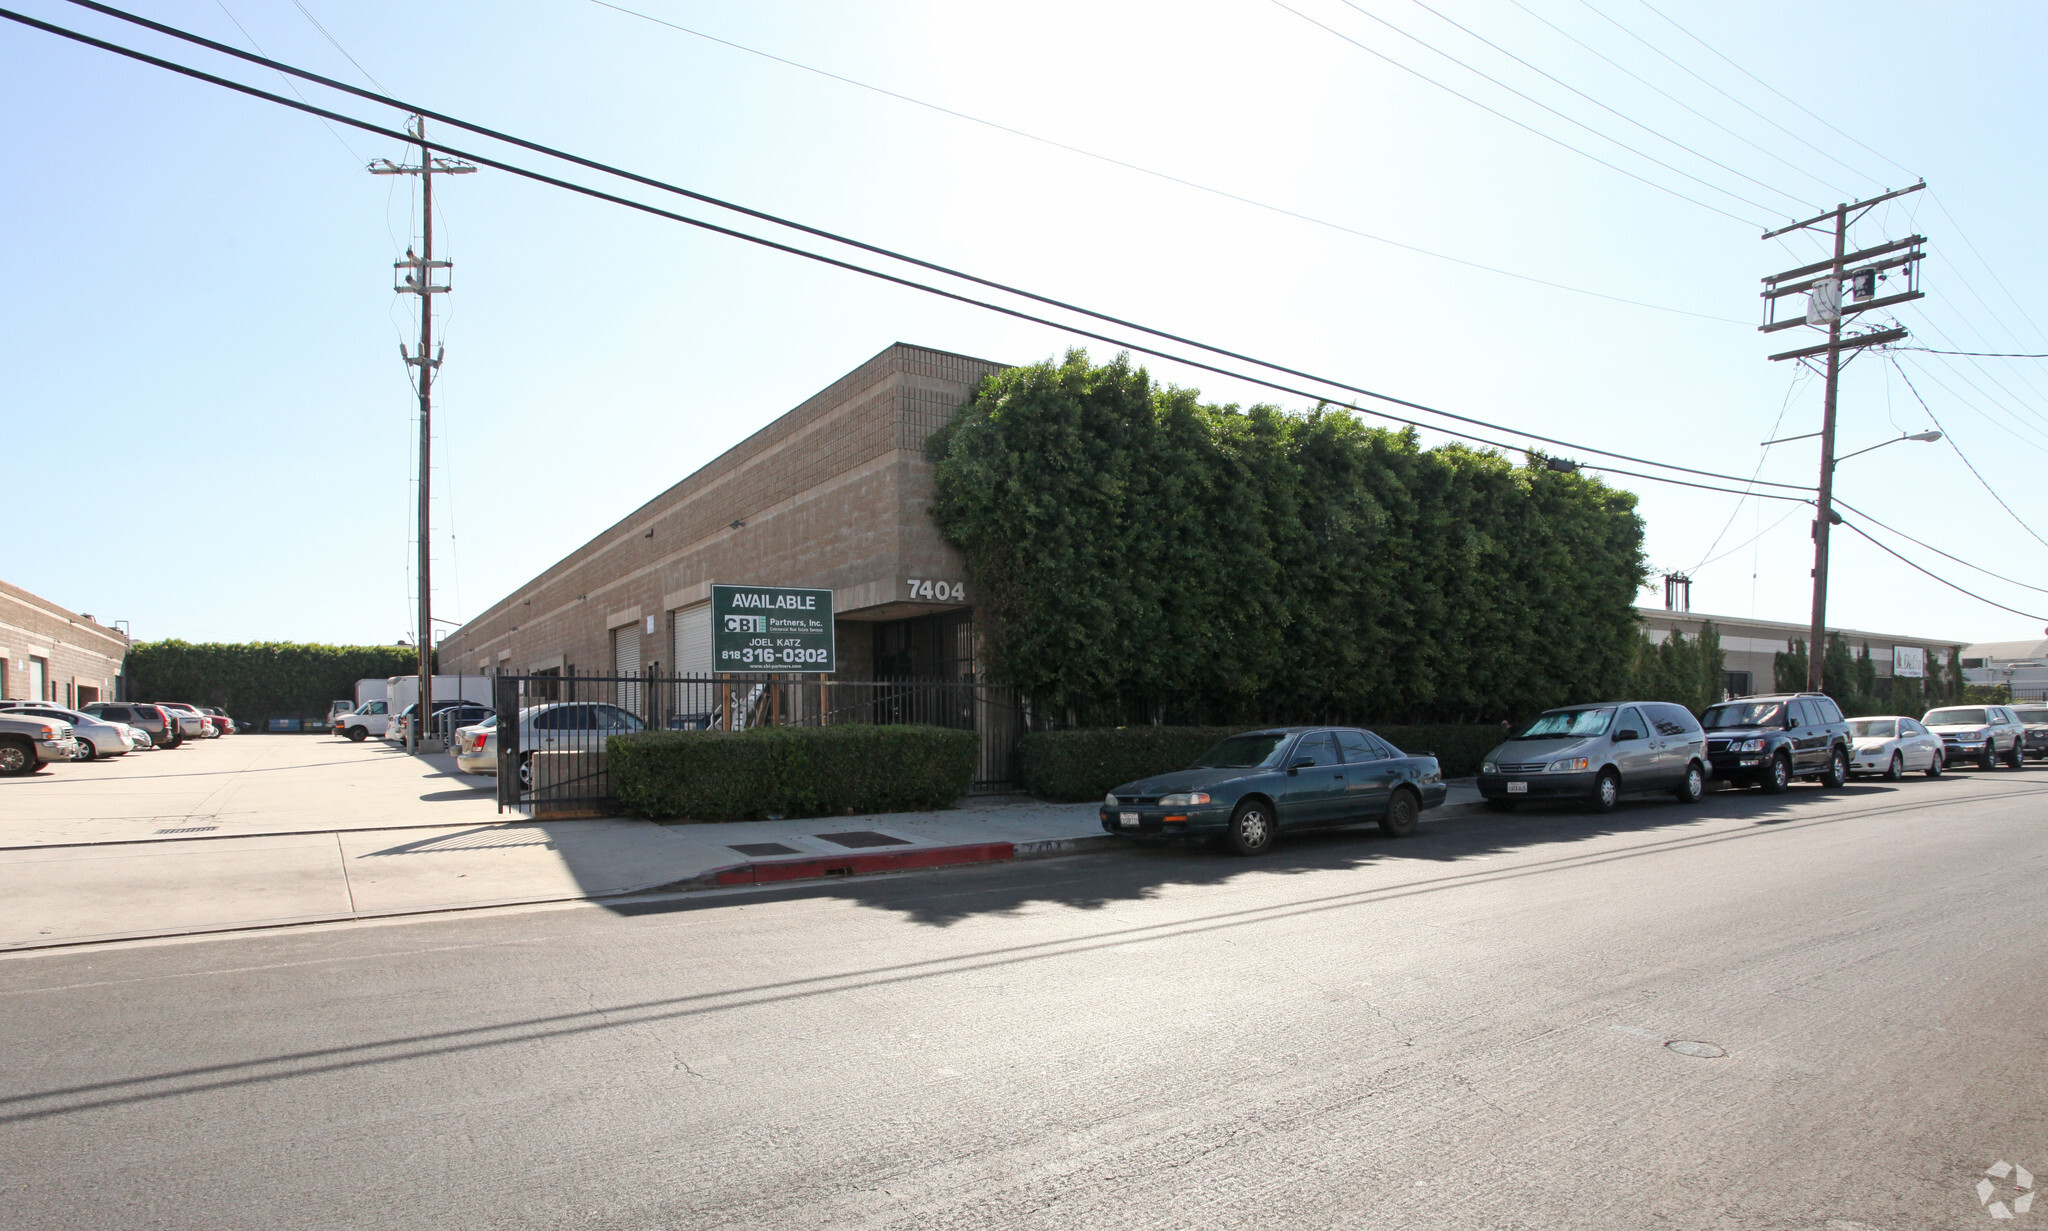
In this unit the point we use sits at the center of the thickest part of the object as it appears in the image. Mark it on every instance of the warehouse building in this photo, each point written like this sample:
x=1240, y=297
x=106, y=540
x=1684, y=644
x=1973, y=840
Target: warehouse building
x=1750, y=647
x=48, y=653
x=831, y=496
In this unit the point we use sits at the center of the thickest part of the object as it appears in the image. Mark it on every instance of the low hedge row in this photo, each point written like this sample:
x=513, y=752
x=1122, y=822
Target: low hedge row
x=1086, y=763
x=791, y=771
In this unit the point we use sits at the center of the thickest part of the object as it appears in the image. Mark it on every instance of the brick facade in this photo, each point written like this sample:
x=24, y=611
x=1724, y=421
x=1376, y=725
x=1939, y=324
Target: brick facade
x=831, y=495
x=77, y=658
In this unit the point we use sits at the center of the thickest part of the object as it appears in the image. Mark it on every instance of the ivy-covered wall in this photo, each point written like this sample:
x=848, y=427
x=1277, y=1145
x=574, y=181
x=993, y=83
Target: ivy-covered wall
x=1130, y=542
x=259, y=681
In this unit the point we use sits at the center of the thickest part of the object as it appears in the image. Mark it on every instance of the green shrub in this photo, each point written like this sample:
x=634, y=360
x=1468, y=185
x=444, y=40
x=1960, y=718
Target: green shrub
x=791, y=771
x=258, y=681
x=1086, y=763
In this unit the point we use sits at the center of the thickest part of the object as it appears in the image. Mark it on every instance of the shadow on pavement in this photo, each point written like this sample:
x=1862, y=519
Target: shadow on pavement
x=1144, y=870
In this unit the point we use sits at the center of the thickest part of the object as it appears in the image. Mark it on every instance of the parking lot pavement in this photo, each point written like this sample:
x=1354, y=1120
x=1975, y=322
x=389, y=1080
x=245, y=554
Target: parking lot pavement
x=241, y=784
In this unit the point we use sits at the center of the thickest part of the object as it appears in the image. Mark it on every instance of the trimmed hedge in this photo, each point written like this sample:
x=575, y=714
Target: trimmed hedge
x=791, y=771
x=1086, y=763
x=258, y=681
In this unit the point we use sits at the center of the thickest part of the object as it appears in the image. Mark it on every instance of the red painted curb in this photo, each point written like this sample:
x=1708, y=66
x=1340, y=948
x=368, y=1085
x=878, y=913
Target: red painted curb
x=855, y=865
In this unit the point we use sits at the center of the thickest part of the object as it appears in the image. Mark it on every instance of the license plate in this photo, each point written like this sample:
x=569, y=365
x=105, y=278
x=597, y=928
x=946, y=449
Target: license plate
x=1518, y=788
x=1129, y=820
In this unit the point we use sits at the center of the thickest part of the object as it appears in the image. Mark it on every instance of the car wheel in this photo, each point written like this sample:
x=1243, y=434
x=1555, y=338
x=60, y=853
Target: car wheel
x=2017, y=758
x=1694, y=786
x=1934, y=766
x=1896, y=770
x=84, y=750
x=1404, y=815
x=1838, y=770
x=526, y=779
x=357, y=735
x=1500, y=805
x=17, y=756
x=1990, y=758
x=1778, y=779
x=1251, y=826
x=1606, y=792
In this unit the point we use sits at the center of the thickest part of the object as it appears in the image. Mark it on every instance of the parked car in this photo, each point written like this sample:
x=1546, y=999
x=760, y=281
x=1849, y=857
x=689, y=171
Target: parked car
x=2035, y=719
x=191, y=723
x=372, y=717
x=1769, y=741
x=1252, y=787
x=95, y=737
x=473, y=749
x=555, y=726
x=152, y=720
x=138, y=739
x=1986, y=734
x=402, y=722
x=220, y=719
x=28, y=742
x=449, y=718
x=1598, y=753
x=1892, y=745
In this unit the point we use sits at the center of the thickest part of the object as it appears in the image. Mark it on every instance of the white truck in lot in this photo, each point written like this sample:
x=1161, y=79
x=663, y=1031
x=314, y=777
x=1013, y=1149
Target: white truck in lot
x=403, y=692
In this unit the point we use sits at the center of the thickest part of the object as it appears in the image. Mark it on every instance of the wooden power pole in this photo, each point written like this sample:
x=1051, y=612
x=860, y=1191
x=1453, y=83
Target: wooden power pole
x=416, y=275
x=1823, y=284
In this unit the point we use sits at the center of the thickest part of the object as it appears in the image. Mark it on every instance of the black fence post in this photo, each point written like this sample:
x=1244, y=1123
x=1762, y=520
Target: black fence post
x=505, y=698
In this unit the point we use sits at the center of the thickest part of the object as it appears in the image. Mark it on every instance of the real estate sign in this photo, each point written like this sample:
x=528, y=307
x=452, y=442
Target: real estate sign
x=1909, y=661
x=772, y=628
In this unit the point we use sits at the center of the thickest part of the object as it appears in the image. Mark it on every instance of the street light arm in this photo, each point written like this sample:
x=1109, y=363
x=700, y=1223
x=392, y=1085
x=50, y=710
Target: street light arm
x=1921, y=437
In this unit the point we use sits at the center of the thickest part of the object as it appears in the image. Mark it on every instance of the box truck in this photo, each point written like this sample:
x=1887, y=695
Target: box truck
x=403, y=691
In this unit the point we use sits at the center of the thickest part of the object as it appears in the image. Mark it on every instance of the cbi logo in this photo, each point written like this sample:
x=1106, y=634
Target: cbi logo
x=746, y=624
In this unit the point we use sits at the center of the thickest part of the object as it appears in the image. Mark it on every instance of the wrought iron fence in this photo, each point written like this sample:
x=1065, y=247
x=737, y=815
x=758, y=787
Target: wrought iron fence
x=550, y=730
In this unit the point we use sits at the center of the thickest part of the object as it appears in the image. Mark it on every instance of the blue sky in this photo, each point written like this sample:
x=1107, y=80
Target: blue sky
x=200, y=338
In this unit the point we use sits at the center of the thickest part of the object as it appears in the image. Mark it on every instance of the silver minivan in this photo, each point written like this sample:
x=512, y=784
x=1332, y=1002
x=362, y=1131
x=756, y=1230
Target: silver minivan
x=1595, y=754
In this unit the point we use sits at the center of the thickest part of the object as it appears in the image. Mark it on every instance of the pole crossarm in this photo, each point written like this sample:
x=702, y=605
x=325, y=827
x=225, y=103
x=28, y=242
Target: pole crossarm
x=1838, y=214
x=1848, y=310
x=1848, y=258
x=1855, y=343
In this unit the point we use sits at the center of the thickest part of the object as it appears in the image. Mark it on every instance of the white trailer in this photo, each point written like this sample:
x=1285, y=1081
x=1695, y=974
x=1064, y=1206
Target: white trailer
x=404, y=690
x=372, y=690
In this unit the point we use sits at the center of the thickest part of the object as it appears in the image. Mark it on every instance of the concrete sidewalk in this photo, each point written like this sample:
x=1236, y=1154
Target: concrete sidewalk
x=256, y=832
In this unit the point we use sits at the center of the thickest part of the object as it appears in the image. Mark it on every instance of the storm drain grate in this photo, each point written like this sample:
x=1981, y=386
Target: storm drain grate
x=191, y=829
x=863, y=837
x=758, y=849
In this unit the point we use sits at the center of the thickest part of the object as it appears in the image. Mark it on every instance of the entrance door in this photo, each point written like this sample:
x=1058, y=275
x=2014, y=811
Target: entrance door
x=36, y=669
x=626, y=664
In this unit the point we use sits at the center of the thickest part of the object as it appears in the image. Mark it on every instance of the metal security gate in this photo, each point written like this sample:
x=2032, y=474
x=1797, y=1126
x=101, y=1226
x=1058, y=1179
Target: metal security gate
x=551, y=730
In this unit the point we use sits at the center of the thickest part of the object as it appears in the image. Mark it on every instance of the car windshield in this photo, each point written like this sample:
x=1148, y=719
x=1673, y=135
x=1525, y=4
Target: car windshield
x=1874, y=728
x=1956, y=718
x=1244, y=751
x=1566, y=724
x=2032, y=714
x=1744, y=714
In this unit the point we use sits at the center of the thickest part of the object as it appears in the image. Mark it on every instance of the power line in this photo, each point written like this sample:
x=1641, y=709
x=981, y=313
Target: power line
x=1951, y=438
x=1981, y=354
x=1581, y=93
x=1849, y=525
x=1973, y=408
x=1161, y=175
x=1677, y=101
x=1939, y=552
x=1530, y=127
x=1762, y=458
x=1730, y=97
x=1767, y=85
x=308, y=13
x=1988, y=267
x=598, y=194
x=1744, y=543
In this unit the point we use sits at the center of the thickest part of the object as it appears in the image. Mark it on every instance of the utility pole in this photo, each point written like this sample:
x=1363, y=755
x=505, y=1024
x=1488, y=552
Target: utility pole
x=1822, y=283
x=416, y=276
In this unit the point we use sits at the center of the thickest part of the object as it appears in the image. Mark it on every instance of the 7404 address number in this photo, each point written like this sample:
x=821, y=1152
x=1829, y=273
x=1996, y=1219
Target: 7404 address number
x=937, y=591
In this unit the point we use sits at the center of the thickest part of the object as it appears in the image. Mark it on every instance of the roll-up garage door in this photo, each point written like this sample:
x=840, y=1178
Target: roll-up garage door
x=690, y=628
x=626, y=649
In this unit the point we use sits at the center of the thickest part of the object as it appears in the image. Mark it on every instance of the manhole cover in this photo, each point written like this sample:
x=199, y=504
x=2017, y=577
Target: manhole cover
x=863, y=837
x=191, y=829
x=758, y=849
x=1696, y=1049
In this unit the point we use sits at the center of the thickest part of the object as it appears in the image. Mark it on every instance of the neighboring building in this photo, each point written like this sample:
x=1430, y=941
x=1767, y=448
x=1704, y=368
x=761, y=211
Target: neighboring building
x=2021, y=665
x=1750, y=647
x=50, y=654
x=832, y=495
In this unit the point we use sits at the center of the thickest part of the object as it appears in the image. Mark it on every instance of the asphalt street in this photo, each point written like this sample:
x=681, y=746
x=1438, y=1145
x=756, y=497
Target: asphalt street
x=1474, y=1027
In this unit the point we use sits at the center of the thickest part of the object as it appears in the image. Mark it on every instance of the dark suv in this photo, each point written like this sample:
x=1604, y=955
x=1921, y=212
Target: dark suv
x=162, y=728
x=1769, y=741
x=2034, y=716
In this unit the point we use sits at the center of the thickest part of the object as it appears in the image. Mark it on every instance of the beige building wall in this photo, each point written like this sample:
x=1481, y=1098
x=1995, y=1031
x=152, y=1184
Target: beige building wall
x=832, y=495
x=1751, y=646
x=77, y=658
